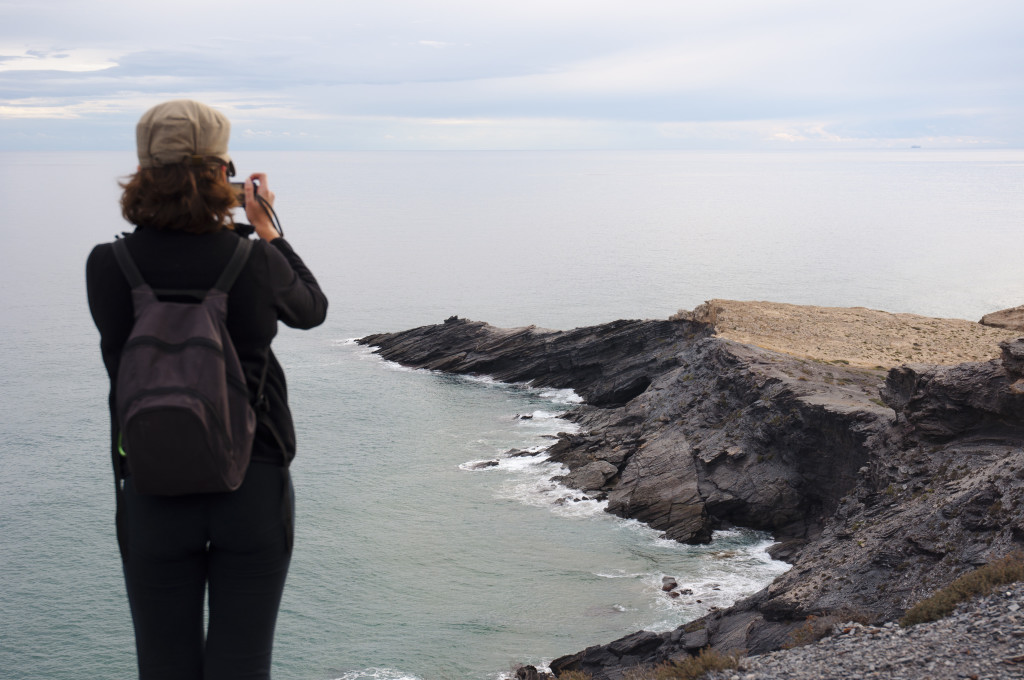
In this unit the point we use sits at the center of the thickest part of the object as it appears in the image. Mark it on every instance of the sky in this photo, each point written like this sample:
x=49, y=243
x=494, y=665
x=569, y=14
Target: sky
x=520, y=74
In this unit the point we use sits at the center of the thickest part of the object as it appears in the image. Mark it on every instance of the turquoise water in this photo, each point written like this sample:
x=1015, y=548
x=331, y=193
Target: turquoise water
x=410, y=564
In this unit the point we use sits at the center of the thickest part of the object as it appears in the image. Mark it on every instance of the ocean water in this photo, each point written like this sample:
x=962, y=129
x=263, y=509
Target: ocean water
x=412, y=562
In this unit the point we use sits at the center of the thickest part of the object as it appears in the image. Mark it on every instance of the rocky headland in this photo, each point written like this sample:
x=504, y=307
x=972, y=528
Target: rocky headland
x=885, y=452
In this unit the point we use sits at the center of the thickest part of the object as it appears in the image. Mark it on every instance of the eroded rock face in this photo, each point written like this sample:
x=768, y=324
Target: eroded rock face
x=878, y=503
x=1012, y=354
x=942, y=403
x=659, y=486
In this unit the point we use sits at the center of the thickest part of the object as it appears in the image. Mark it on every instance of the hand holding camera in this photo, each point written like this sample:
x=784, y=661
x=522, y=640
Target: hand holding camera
x=258, y=200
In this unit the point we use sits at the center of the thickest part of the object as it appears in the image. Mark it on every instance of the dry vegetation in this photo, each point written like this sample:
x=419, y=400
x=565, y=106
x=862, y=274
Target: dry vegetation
x=856, y=336
x=687, y=669
x=981, y=581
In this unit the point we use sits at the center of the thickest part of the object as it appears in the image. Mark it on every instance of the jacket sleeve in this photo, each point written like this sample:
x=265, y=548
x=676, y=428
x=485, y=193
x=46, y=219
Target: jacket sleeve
x=297, y=296
x=110, y=302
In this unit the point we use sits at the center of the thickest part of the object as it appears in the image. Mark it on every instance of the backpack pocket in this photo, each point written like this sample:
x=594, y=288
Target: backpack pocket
x=175, y=444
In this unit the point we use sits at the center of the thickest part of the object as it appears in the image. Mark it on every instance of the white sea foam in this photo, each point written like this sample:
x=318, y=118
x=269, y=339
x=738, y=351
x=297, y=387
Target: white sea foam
x=378, y=674
x=735, y=564
x=708, y=576
x=560, y=396
x=369, y=353
x=722, y=572
x=395, y=366
x=564, y=396
x=619, y=573
x=533, y=485
x=479, y=465
x=531, y=459
x=529, y=476
x=544, y=415
x=482, y=379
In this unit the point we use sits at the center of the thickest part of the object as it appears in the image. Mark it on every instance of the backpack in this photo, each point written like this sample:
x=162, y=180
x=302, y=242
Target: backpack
x=184, y=414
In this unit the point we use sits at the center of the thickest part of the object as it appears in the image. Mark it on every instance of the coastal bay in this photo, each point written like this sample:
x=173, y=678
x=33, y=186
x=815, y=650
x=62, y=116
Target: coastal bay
x=882, y=483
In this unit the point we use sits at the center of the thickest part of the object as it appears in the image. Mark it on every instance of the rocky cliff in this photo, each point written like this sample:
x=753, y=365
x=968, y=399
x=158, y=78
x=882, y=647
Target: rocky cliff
x=881, y=486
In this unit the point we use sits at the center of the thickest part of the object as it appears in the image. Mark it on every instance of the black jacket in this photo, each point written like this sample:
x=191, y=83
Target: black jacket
x=273, y=286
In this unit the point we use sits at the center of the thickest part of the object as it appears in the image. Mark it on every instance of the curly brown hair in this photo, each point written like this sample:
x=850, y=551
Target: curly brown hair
x=194, y=198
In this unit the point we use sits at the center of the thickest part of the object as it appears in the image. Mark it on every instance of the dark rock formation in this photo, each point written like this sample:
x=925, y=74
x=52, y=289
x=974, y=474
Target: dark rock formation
x=529, y=673
x=1013, y=358
x=877, y=503
x=683, y=431
x=607, y=365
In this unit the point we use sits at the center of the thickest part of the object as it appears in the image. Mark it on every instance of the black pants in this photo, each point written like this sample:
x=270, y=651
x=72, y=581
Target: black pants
x=236, y=544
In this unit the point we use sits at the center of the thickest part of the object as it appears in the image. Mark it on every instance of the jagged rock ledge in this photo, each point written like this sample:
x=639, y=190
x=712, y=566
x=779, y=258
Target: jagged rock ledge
x=879, y=493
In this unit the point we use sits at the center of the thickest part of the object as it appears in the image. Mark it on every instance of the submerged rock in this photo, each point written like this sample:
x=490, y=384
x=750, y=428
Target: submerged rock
x=481, y=465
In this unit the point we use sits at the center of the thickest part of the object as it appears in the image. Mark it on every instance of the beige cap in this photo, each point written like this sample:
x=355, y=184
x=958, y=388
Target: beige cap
x=180, y=130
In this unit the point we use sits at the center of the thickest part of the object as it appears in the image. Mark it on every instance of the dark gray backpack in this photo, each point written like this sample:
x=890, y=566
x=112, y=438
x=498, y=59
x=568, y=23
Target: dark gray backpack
x=184, y=413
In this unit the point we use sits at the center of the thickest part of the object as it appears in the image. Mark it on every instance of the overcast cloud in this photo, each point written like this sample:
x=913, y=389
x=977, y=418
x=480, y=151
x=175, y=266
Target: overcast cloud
x=383, y=74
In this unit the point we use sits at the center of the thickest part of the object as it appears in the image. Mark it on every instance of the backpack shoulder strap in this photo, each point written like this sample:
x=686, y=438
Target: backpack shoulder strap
x=124, y=258
x=234, y=268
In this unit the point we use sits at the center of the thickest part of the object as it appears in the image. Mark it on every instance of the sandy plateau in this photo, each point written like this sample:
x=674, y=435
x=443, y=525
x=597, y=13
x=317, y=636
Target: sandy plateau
x=856, y=336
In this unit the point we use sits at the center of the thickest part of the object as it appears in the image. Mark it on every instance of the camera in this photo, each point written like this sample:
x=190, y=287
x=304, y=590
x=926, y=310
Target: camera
x=246, y=229
x=239, y=189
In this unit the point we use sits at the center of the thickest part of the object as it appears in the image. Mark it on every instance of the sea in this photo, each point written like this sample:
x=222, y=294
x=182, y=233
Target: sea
x=413, y=562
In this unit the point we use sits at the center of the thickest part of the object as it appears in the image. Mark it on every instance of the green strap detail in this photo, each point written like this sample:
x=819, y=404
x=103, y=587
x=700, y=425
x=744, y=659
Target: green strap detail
x=120, y=445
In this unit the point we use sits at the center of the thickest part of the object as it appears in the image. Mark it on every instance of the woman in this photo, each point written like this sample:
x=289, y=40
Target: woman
x=235, y=544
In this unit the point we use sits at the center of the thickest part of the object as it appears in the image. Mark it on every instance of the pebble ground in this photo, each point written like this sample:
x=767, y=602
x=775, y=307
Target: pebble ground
x=982, y=640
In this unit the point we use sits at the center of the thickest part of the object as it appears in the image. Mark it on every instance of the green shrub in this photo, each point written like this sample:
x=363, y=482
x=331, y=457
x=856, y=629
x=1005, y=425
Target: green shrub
x=981, y=581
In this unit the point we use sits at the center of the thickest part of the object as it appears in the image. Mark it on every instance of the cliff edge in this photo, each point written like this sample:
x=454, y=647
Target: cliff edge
x=881, y=484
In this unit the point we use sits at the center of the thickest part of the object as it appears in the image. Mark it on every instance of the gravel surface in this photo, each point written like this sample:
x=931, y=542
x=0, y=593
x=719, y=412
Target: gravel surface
x=982, y=640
